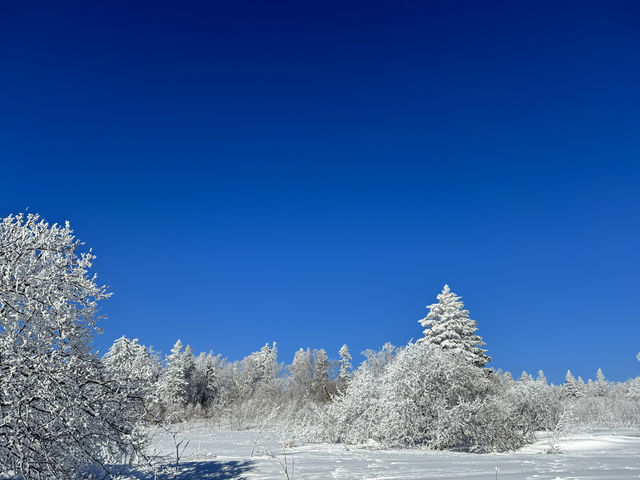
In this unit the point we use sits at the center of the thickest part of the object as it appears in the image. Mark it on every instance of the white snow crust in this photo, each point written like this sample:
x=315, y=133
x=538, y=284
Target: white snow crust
x=214, y=453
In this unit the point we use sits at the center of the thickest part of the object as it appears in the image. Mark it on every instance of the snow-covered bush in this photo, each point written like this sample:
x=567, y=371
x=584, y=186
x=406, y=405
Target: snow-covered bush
x=603, y=404
x=426, y=396
x=535, y=403
x=60, y=410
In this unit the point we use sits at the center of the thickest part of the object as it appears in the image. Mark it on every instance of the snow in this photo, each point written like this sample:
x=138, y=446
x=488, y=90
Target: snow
x=214, y=453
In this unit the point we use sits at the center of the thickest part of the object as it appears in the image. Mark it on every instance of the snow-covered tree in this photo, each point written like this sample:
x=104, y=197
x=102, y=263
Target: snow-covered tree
x=525, y=377
x=377, y=361
x=600, y=387
x=448, y=325
x=133, y=365
x=542, y=379
x=59, y=410
x=533, y=403
x=173, y=387
x=572, y=388
x=301, y=371
x=507, y=378
x=207, y=380
x=258, y=371
x=321, y=386
x=345, y=366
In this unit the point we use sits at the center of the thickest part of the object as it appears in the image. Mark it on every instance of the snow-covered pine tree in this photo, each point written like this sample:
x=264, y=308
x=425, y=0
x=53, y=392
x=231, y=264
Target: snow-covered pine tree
x=301, y=371
x=321, y=387
x=525, y=377
x=448, y=325
x=173, y=385
x=206, y=379
x=257, y=371
x=572, y=387
x=345, y=367
x=507, y=378
x=542, y=379
x=132, y=364
x=600, y=387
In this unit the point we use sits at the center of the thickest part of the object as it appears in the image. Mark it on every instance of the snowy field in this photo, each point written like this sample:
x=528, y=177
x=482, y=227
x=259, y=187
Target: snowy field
x=222, y=454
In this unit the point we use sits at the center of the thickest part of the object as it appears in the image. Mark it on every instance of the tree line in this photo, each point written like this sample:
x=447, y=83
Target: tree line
x=66, y=412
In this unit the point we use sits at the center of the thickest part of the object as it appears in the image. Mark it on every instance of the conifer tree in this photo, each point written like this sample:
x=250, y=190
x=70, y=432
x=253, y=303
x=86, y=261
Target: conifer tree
x=448, y=325
x=345, y=366
x=601, y=385
x=133, y=365
x=525, y=377
x=321, y=375
x=542, y=379
x=301, y=370
x=572, y=387
x=173, y=385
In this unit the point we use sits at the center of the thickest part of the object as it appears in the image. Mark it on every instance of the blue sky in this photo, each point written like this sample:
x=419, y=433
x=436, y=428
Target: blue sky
x=313, y=172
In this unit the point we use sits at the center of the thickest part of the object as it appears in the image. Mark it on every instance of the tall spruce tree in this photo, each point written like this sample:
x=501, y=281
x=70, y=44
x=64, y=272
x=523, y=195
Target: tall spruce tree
x=448, y=325
x=173, y=385
x=345, y=366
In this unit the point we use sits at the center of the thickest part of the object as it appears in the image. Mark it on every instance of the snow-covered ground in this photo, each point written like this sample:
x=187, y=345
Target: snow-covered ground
x=213, y=453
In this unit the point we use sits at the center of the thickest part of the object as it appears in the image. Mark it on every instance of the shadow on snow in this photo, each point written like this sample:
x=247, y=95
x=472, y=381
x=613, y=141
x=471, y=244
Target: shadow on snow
x=205, y=470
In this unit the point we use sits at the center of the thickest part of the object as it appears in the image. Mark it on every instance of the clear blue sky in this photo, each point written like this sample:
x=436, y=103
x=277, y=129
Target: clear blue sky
x=313, y=172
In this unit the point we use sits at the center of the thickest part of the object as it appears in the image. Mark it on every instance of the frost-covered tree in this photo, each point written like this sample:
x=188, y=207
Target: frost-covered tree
x=600, y=387
x=448, y=325
x=533, y=402
x=345, y=367
x=507, y=378
x=321, y=387
x=173, y=387
x=258, y=371
x=301, y=371
x=60, y=412
x=133, y=365
x=255, y=386
x=572, y=388
x=542, y=379
x=206, y=380
x=377, y=361
x=525, y=377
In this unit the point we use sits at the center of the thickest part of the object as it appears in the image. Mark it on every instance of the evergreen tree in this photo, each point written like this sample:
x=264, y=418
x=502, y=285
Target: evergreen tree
x=345, y=366
x=173, y=386
x=206, y=380
x=321, y=376
x=542, y=379
x=448, y=325
x=525, y=377
x=507, y=378
x=601, y=386
x=258, y=371
x=301, y=370
x=572, y=387
x=132, y=364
